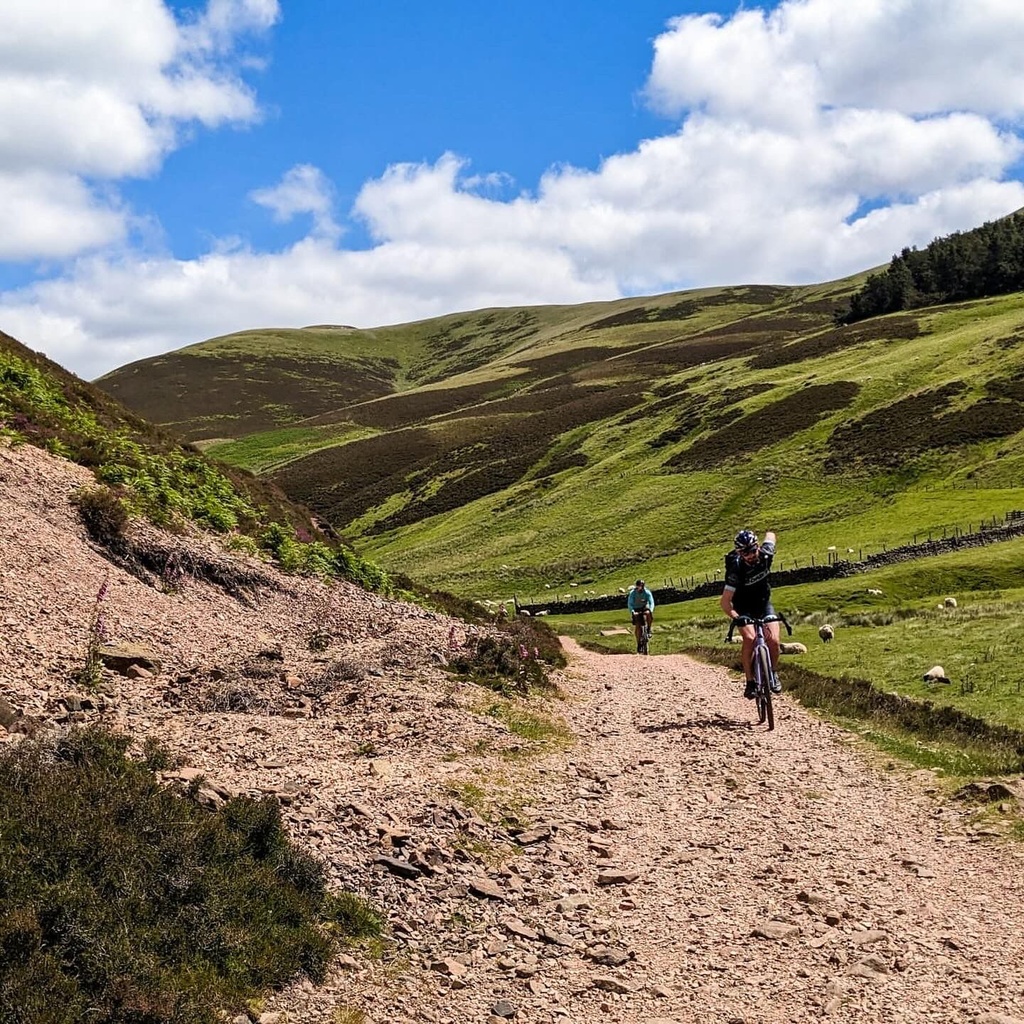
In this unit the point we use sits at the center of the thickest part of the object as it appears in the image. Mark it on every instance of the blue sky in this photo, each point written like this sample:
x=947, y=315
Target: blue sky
x=354, y=87
x=175, y=171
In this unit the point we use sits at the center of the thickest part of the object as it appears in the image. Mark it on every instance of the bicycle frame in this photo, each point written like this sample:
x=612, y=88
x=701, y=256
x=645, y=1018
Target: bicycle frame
x=762, y=663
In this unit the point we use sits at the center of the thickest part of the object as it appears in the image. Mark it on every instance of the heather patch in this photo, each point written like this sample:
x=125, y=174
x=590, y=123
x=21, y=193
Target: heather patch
x=125, y=900
x=767, y=426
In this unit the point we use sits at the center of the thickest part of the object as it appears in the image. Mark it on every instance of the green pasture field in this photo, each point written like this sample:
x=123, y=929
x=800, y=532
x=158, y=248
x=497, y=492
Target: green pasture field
x=889, y=640
x=262, y=452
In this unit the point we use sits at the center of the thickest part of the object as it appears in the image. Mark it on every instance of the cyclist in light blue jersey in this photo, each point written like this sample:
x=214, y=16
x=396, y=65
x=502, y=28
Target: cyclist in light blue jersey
x=641, y=606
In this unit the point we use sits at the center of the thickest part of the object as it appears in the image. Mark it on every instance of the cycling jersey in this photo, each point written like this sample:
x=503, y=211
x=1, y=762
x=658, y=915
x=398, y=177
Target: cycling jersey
x=749, y=580
x=640, y=600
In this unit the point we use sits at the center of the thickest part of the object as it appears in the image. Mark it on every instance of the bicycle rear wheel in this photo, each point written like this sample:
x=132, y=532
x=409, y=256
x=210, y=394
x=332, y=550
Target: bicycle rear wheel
x=645, y=638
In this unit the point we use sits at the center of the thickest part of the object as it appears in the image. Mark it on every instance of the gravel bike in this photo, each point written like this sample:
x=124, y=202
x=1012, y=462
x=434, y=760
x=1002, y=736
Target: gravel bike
x=643, y=637
x=762, y=664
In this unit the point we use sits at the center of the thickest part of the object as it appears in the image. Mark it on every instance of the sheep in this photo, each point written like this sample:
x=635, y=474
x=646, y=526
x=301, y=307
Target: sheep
x=874, y=592
x=826, y=633
x=949, y=602
x=792, y=648
x=936, y=674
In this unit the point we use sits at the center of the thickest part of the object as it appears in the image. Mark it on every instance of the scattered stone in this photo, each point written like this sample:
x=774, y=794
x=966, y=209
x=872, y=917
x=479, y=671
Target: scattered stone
x=538, y=835
x=399, y=867
x=776, y=930
x=617, y=877
x=486, y=889
x=453, y=968
x=610, y=984
x=121, y=657
x=524, y=931
x=503, y=1009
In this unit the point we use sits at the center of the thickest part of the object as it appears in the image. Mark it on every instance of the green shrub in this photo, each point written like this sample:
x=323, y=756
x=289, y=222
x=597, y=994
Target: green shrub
x=125, y=901
x=501, y=663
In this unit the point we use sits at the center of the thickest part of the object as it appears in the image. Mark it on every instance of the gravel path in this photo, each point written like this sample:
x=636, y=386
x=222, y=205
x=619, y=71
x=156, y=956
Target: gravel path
x=782, y=876
x=673, y=863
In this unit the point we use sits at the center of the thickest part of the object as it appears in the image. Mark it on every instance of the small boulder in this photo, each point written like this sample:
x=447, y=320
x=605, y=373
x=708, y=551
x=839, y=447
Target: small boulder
x=121, y=657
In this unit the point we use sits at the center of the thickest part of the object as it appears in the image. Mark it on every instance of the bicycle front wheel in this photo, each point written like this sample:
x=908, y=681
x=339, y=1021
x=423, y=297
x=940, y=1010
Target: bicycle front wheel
x=763, y=670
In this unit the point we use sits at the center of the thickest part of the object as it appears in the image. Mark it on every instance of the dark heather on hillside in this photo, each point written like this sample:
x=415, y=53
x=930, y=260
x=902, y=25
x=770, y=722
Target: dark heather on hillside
x=835, y=340
x=203, y=396
x=917, y=424
x=479, y=456
x=766, y=426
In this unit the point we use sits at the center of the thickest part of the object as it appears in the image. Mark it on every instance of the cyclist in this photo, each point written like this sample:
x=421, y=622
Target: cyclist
x=641, y=606
x=748, y=593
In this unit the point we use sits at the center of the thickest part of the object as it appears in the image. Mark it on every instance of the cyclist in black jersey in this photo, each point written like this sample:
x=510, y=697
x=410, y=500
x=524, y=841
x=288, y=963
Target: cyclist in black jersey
x=748, y=593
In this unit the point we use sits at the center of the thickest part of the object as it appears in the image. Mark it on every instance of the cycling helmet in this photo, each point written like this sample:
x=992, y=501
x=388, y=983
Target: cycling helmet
x=639, y=583
x=746, y=540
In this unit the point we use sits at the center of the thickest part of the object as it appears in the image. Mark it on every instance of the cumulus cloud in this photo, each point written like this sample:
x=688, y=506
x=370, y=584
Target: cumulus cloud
x=304, y=189
x=97, y=91
x=806, y=143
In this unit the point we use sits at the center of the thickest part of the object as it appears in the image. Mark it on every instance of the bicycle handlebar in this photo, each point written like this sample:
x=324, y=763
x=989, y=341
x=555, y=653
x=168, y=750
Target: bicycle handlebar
x=747, y=620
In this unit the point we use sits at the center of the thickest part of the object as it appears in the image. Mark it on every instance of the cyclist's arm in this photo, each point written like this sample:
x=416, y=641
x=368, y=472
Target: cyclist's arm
x=650, y=601
x=629, y=601
x=726, y=602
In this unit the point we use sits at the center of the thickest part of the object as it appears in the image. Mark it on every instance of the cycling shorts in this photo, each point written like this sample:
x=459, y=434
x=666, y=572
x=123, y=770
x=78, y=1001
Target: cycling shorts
x=755, y=612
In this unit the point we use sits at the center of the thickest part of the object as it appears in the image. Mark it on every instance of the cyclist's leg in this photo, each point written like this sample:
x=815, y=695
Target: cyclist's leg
x=649, y=619
x=748, y=633
x=637, y=624
x=771, y=635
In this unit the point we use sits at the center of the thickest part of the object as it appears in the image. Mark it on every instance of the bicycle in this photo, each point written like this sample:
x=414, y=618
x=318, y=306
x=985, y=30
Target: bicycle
x=762, y=664
x=643, y=639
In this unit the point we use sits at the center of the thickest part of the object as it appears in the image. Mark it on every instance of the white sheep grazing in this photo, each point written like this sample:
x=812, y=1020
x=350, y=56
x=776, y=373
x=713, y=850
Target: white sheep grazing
x=874, y=593
x=826, y=633
x=949, y=602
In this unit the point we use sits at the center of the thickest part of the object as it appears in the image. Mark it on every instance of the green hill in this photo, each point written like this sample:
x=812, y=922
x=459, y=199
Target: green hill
x=530, y=449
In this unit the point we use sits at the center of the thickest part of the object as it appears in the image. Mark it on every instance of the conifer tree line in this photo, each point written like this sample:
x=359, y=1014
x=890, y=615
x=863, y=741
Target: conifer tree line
x=966, y=265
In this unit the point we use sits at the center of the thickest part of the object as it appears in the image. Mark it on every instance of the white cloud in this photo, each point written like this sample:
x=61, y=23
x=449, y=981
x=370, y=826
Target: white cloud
x=303, y=189
x=812, y=142
x=916, y=57
x=97, y=91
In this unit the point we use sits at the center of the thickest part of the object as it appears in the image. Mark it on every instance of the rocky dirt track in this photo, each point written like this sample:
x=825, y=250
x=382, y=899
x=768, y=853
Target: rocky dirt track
x=672, y=863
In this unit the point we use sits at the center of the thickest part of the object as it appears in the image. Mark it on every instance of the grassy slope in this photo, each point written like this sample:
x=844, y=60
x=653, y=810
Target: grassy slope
x=640, y=518
x=525, y=450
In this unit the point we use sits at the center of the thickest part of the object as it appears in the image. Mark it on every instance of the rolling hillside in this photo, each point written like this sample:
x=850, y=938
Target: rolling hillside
x=533, y=449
